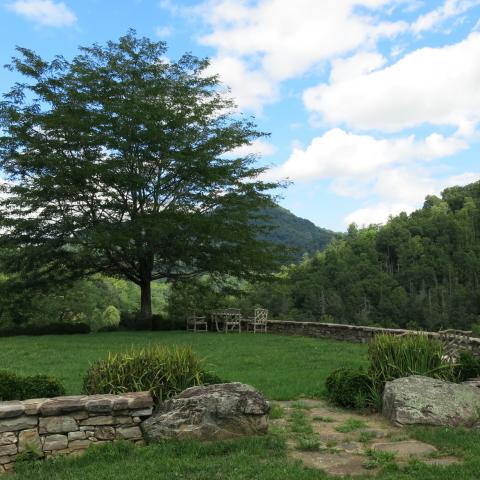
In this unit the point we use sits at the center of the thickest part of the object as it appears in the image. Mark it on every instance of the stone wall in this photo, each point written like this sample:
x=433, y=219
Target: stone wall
x=350, y=333
x=68, y=425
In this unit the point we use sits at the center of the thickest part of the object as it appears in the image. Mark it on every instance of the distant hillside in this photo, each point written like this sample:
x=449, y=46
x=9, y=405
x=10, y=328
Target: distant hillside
x=298, y=233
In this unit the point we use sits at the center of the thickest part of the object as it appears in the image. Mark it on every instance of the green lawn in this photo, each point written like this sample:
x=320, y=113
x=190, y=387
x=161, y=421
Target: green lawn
x=281, y=367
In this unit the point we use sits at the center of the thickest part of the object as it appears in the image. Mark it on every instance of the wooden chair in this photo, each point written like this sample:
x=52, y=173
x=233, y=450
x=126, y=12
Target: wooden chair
x=259, y=320
x=233, y=318
x=196, y=323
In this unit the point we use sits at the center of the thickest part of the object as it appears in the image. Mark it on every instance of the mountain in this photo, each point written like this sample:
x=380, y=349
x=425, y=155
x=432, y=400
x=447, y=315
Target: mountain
x=297, y=233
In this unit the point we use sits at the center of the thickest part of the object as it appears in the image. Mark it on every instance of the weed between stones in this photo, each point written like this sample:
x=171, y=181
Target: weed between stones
x=351, y=425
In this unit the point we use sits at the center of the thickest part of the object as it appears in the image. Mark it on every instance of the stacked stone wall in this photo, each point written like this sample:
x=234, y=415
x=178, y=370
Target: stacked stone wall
x=69, y=425
x=350, y=333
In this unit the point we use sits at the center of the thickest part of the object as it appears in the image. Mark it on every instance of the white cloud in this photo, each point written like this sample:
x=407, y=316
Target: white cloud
x=404, y=191
x=461, y=179
x=438, y=86
x=338, y=153
x=451, y=8
x=377, y=214
x=404, y=185
x=164, y=31
x=250, y=88
x=356, y=66
x=291, y=36
x=257, y=147
x=274, y=40
x=44, y=12
x=392, y=175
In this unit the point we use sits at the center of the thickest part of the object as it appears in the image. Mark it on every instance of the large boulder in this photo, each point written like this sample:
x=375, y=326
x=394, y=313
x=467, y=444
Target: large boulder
x=428, y=401
x=221, y=411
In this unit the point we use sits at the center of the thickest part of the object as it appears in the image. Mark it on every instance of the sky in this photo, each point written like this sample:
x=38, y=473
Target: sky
x=371, y=104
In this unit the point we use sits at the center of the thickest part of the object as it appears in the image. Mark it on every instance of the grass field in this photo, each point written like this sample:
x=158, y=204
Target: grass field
x=281, y=367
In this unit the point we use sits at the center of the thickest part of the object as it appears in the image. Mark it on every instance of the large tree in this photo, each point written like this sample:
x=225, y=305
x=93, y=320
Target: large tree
x=118, y=162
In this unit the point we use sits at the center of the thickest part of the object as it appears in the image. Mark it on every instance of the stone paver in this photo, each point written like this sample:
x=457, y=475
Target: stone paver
x=406, y=449
x=334, y=463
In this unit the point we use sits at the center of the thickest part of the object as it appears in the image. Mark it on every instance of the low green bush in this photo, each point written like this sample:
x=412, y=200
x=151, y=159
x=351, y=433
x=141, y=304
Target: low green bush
x=164, y=371
x=135, y=321
x=467, y=366
x=45, y=329
x=349, y=387
x=15, y=387
x=210, y=378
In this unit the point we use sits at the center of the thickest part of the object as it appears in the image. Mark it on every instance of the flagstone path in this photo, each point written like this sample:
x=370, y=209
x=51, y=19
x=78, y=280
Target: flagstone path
x=343, y=442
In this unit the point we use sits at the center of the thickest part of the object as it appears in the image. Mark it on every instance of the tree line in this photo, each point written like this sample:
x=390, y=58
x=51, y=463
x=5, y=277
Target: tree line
x=417, y=271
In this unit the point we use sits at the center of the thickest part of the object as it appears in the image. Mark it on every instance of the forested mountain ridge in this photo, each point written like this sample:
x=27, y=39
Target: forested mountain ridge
x=300, y=234
x=418, y=270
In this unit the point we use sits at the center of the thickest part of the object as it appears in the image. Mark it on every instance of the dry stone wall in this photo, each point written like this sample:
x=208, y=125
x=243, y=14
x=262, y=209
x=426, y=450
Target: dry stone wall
x=350, y=333
x=68, y=425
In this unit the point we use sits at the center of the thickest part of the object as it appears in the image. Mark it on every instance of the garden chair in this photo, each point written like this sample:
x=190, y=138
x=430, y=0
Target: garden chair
x=233, y=319
x=259, y=320
x=196, y=323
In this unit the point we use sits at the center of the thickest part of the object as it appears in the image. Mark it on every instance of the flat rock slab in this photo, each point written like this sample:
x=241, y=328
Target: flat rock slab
x=406, y=449
x=338, y=464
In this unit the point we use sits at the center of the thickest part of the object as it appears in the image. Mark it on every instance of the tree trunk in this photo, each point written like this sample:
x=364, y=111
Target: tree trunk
x=146, y=304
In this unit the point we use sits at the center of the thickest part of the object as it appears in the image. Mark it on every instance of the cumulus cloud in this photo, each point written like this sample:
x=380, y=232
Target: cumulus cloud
x=392, y=175
x=356, y=66
x=437, y=86
x=274, y=40
x=257, y=147
x=259, y=44
x=250, y=88
x=44, y=12
x=377, y=214
x=449, y=9
x=338, y=153
x=404, y=191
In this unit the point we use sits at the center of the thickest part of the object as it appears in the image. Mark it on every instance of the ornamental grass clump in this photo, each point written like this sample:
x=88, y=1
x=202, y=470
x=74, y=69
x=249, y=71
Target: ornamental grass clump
x=394, y=357
x=163, y=371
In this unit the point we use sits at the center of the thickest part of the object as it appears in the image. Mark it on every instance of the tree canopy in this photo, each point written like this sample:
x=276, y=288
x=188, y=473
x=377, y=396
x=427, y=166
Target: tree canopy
x=115, y=162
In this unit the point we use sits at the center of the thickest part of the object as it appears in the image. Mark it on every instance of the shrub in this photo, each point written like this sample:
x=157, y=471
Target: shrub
x=163, y=323
x=42, y=386
x=135, y=321
x=45, y=329
x=9, y=386
x=164, y=371
x=210, y=378
x=394, y=357
x=349, y=387
x=110, y=319
x=467, y=366
x=15, y=387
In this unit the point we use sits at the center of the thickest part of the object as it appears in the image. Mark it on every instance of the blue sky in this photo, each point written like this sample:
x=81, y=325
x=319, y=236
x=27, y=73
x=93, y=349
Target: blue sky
x=371, y=104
